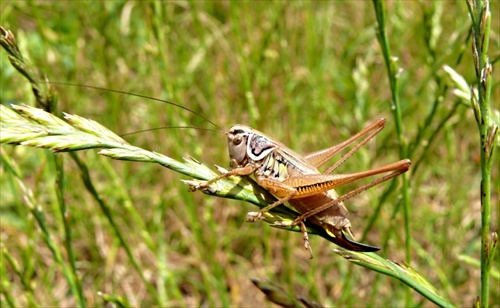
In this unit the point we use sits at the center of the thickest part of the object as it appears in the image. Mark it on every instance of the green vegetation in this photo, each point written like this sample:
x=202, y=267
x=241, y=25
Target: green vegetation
x=81, y=229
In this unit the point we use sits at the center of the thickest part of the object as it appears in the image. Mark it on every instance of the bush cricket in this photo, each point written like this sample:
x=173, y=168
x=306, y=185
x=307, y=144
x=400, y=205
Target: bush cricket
x=294, y=178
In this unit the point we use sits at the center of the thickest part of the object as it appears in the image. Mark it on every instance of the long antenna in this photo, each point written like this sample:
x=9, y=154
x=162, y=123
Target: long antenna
x=133, y=94
x=176, y=127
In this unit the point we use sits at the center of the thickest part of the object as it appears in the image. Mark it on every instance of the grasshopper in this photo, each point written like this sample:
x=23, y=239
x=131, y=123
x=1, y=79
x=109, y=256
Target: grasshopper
x=294, y=178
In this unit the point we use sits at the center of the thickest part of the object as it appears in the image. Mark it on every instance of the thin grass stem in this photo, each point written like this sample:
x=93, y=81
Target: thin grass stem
x=393, y=72
x=488, y=131
x=66, y=219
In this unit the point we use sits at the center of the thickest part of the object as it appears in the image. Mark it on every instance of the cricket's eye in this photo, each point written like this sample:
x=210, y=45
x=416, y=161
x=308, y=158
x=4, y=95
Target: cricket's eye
x=237, y=140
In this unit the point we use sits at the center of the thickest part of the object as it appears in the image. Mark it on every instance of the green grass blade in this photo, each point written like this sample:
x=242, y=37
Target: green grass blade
x=399, y=271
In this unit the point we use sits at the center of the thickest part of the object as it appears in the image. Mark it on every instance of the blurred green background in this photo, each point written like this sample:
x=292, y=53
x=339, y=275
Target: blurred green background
x=309, y=74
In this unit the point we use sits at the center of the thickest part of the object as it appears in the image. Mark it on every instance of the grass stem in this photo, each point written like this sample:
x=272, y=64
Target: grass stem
x=393, y=72
x=488, y=131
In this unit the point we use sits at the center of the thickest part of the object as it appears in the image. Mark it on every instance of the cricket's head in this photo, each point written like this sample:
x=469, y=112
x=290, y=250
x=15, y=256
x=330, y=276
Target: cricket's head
x=247, y=145
x=237, y=142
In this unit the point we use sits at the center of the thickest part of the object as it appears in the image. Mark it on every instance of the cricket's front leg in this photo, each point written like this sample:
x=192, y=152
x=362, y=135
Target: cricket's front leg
x=246, y=170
